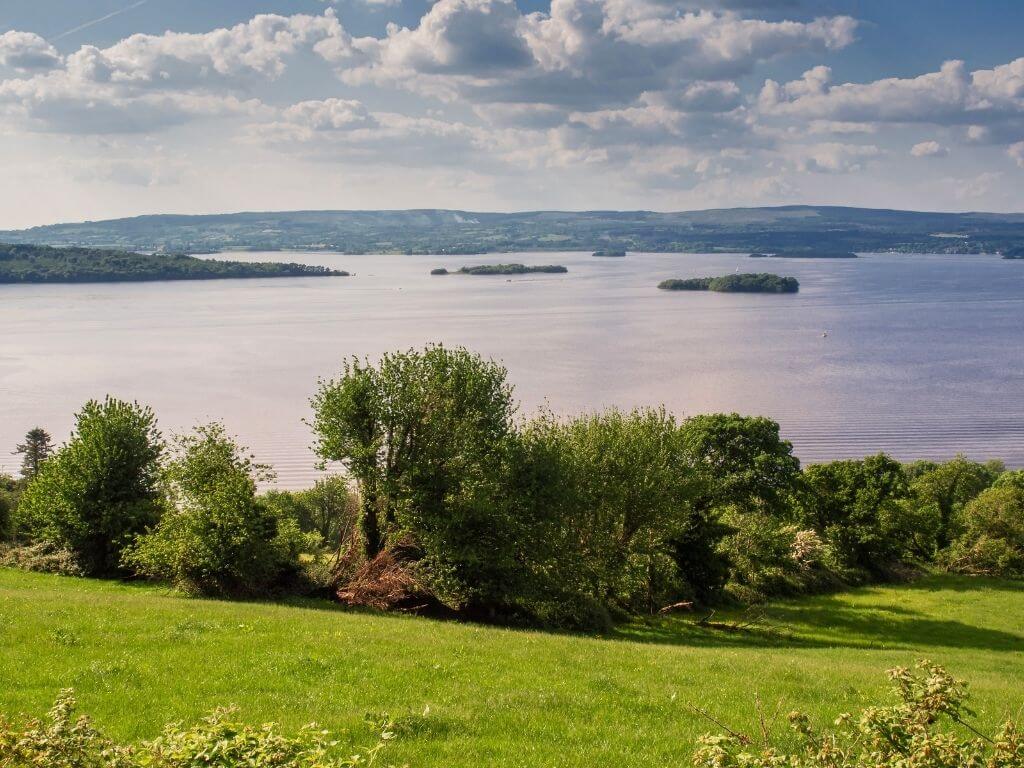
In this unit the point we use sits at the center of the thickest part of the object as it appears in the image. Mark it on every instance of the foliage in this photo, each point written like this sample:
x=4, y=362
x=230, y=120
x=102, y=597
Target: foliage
x=44, y=557
x=744, y=469
x=216, y=536
x=67, y=740
x=512, y=269
x=759, y=282
x=919, y=732
x=42, y=264
x=949, y=486
x=1013, y=478
x=10, y=492
x=101, y=488
x=424, y=436
x=856, y=507
x=991, y=541
x=329, y=509
x=742, y=462
x=36, y=449
x=607, y=492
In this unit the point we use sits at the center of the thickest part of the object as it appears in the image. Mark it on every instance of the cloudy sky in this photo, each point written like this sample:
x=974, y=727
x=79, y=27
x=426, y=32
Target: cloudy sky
x=121, y=107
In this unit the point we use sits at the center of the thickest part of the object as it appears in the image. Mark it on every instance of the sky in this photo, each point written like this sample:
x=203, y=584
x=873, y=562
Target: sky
x=113, y=108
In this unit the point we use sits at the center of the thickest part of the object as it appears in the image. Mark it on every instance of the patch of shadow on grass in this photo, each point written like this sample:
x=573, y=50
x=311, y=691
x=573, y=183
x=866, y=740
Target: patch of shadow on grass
x=835, y=622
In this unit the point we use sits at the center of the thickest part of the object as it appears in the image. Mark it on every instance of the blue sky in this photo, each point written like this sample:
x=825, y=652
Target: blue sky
x=121, y=107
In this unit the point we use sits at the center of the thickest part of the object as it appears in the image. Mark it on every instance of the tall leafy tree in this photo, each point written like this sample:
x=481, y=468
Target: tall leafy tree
x=424, y=435
x=857, y=506
x=101, y=488
x=36, y=449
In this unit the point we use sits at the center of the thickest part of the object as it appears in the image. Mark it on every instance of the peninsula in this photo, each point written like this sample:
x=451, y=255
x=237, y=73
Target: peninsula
x=43, y=264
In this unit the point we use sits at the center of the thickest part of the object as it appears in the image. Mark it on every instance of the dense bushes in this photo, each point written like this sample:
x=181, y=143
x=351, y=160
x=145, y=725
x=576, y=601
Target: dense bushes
x=928, y=728
x=990, y=534
x=100, y=489
x=215, y=536
x=67, y=740
x=448, y=502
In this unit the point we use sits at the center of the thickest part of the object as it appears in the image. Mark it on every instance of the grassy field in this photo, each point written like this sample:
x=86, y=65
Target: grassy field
x=138, y=657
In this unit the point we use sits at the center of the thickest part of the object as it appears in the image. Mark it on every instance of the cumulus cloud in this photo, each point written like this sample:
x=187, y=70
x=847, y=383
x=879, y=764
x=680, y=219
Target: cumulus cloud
x=27, y=52
x=581, y=54
x=929, y=149
x=951, y=94
x=149, y=82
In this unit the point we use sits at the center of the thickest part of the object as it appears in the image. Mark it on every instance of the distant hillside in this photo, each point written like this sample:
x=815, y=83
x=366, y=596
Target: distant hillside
x=788, y=228
x=42, y=264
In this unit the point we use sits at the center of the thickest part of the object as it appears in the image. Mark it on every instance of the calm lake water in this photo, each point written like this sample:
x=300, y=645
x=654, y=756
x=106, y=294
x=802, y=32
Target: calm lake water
x=924, y=354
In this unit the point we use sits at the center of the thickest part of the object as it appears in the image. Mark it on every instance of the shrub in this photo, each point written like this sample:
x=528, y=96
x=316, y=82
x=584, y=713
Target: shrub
x=1014, y=478
x=919, y=731
x=101, y=488
x=43, y=557
x=609, y=492
x=216, y=537
x=991, y=541
x=67, y=740
x=328, y=509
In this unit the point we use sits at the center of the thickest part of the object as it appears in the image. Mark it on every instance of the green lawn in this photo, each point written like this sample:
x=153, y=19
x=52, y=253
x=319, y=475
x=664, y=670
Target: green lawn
x=139, y=656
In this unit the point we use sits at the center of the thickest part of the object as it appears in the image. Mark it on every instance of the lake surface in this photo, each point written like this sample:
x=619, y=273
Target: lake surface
x=924, y=354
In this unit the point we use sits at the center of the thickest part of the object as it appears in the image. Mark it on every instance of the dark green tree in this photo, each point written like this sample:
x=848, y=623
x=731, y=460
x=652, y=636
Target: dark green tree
x=857, y=507
x=101, y=488
x=36, y=449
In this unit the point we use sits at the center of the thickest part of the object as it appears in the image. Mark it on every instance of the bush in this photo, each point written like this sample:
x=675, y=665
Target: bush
x=607, y=493
x=100, y=489
x=66, y=740
x=329, y=509
x=216, y=537
x=991, y=539
x=43, y=557
x=919, y=731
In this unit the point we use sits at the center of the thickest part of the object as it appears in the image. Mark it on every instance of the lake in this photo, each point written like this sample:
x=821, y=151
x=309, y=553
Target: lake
x=921, y=356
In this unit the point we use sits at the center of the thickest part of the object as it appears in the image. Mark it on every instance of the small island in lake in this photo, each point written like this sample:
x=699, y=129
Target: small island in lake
x=439, y=271
x=759, y=282
x=512, y=269
x=43, y=264
x=609, y=253
x=810, y=254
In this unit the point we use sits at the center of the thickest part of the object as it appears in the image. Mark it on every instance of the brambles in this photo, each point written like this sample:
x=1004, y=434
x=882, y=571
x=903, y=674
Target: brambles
x=928, y=727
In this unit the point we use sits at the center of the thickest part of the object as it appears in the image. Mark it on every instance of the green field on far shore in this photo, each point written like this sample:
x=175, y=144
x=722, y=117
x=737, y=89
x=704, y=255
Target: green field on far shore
x=140, y=656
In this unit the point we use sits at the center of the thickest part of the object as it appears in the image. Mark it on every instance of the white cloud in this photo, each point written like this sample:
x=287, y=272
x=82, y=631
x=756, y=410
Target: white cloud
x=27, y=52
x=583, y=54
x=929, y=149
x=1016, y=151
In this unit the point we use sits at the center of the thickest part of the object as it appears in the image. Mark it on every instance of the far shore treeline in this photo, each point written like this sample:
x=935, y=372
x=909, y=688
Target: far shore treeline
x=42, y=264
x=448, y=502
